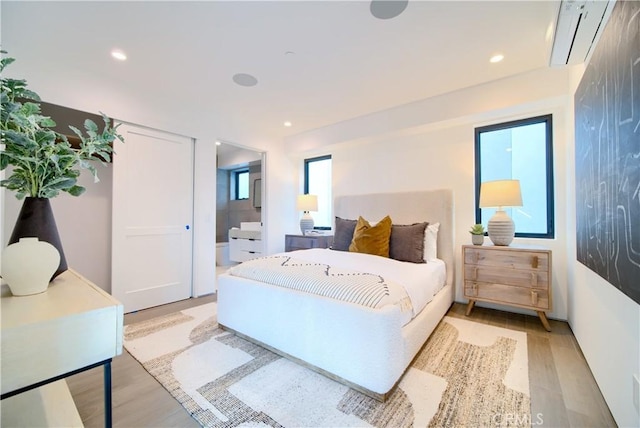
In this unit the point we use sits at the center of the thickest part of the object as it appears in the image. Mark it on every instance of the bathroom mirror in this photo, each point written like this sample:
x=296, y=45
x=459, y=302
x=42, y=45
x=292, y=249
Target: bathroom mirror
x=257, y=193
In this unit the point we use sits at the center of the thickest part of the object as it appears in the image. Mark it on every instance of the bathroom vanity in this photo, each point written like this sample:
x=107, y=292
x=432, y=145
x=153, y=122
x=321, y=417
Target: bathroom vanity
x=245, y=243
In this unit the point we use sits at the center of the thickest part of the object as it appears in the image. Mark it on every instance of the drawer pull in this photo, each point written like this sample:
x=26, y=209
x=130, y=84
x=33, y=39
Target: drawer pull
x=534, y=297
x=534, y=279
x=475, y=274
x=534, y=262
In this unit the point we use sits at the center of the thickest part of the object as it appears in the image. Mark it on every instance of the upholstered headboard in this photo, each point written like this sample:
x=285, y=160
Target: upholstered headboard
x=407, y=208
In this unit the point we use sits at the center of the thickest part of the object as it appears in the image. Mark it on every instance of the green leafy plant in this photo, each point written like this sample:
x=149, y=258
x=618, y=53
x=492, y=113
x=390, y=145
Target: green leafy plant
x=44, y=162
x=477, y=229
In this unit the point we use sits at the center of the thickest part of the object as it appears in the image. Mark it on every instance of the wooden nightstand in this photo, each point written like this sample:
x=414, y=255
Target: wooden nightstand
x=304, y=242
x=513, y=275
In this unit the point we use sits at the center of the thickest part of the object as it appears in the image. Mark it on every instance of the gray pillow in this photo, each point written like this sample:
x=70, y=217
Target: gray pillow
x=343, y=234
x=407, y=242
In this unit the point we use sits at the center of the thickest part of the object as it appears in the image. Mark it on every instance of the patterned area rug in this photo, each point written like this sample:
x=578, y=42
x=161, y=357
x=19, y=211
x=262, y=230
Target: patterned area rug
x=468, y=374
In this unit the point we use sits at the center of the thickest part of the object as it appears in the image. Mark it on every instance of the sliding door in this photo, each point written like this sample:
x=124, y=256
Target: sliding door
x=152, y=218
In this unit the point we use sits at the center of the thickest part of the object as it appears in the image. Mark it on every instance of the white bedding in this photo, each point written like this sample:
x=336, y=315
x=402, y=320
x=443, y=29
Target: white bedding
x=421, y=280
x=321, y=279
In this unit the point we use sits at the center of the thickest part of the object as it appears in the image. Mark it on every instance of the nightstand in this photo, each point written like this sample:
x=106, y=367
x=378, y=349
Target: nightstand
x=304, y=242
x=512, y=275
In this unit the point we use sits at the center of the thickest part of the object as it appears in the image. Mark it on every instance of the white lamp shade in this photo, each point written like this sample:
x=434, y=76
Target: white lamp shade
x=500, y=193
x=307, y=203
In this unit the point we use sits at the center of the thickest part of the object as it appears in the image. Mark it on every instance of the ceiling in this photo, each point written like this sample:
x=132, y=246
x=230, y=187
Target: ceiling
x=316, y=62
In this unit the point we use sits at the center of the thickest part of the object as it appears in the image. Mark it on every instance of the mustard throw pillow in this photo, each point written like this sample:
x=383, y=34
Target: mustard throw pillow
x=371, y=239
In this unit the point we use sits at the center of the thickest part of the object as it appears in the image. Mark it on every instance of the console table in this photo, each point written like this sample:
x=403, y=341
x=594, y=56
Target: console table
x=72, y=327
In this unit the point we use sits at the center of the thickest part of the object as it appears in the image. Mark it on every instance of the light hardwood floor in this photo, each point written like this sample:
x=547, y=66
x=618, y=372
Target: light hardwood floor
x=563, y=390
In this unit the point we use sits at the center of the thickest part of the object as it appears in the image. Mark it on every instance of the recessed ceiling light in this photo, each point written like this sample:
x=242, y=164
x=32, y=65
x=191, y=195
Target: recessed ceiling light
x=119, y=55
x=387, y=9
x=244, y=79
x=496, y=58
x=287, y=124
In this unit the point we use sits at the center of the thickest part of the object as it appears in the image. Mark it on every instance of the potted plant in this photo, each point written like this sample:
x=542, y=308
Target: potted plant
x=43, y=161
x=477, y=234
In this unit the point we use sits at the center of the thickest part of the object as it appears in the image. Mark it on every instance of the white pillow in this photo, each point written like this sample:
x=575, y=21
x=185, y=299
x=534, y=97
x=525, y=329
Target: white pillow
x=431, y=242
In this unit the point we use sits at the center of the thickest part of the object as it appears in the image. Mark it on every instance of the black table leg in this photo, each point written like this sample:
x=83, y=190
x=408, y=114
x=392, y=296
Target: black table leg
x=107, y=394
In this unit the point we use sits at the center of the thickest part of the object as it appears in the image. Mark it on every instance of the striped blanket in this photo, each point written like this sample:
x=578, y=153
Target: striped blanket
x=365, y=289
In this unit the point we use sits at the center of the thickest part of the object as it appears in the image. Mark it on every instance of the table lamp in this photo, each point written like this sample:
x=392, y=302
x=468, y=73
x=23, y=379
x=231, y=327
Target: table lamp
x=305, y=204
x=498, y=194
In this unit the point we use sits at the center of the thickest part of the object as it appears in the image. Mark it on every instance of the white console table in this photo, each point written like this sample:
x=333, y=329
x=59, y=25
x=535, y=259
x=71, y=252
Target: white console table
x=72, y=327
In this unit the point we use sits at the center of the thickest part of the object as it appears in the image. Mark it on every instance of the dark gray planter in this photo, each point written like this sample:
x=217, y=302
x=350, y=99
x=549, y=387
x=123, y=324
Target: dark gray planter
x=36, y=220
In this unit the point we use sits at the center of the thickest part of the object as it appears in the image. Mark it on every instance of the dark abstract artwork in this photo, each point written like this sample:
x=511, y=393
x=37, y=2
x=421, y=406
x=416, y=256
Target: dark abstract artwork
x=607, y=114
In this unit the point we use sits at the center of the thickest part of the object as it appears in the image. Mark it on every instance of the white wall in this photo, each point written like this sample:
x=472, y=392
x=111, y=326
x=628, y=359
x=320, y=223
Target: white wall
x=430, y=145
x=204, y=219
x=607, y=325
x=280, y=215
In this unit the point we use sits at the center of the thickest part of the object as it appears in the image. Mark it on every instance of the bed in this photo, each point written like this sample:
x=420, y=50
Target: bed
x=363, y=347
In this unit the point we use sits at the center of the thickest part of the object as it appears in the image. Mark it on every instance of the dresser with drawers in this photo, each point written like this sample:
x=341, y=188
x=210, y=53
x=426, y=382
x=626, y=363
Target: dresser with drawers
x=512, y=275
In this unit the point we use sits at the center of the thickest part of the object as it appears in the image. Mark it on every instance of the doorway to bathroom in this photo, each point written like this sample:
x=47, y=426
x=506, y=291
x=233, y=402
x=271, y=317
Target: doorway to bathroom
x=239, y=205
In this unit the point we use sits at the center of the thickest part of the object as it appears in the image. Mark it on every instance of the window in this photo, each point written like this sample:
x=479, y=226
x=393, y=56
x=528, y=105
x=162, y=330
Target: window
x=317, y=181
x=240, y=183
x=520, y=150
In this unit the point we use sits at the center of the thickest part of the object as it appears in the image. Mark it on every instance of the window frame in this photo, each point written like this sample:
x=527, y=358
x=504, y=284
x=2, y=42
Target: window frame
x=306, y=180
x=236, y=184
x=547, y=119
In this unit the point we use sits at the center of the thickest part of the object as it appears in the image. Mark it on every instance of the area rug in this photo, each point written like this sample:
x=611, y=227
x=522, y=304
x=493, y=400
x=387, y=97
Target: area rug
x=468, y=374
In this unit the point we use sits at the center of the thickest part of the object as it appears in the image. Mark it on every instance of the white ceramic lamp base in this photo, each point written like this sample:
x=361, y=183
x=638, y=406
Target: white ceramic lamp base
x=306, y=223
x=501, y=228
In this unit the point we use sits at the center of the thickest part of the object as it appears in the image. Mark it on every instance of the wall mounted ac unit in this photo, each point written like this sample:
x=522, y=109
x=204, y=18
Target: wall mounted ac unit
x=578, y=24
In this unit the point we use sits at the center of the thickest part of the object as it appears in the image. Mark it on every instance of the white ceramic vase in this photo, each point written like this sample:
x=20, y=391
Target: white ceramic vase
x=27, y=266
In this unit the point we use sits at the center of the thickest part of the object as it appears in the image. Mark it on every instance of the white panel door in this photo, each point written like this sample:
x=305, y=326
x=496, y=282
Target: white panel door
x=152, y=217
